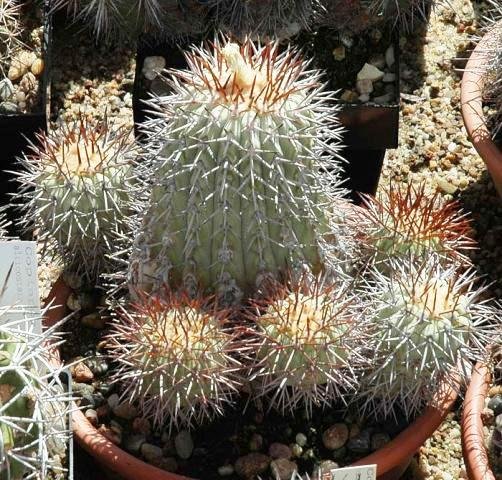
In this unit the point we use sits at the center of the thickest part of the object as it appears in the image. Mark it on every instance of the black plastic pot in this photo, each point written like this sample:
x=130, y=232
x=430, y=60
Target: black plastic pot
x=371, y=129
x=17, y=130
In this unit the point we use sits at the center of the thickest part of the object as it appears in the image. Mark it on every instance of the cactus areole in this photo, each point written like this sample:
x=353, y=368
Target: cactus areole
x=237, y=152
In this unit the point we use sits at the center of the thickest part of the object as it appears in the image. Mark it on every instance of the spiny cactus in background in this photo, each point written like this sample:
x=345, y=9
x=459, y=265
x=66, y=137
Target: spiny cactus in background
x=306, y=342
x=33, y=403
x=404, y=221
x=175, y=358
x=424, y=321
x=77, y=185
x=282, y=18
x=402, y=13
x=244, y=170
x=170, y=18
x=10, y=14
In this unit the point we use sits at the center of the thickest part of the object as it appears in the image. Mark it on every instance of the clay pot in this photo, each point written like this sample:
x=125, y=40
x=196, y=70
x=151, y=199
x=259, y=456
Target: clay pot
x=472, y=112
x=473, y=439
x=391, y=460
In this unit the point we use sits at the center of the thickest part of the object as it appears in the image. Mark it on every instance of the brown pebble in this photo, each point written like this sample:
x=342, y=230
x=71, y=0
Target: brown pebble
x=103, y=411
x=125, y=410
x=279, y=450
x=81, y=373
x=335, y=436
x=251, y=465
x=495, y=390
x=141, y=425
x=487, y=416
x=37, y=67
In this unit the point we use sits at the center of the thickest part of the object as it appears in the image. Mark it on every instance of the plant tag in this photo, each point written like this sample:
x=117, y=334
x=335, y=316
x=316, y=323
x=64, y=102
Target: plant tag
x=19, y=283
x=364, y=472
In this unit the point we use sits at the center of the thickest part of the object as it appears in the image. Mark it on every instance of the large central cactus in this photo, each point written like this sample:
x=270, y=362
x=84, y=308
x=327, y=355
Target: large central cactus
x=237, y=153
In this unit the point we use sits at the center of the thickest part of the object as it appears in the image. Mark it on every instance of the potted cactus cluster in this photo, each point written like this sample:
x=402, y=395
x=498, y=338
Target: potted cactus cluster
x=240, y=283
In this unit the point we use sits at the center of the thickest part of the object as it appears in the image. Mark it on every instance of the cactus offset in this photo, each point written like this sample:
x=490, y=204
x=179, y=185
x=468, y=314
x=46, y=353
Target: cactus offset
x=174, y=357
x=244, y=173
x=425, y=320
x=406, y=221
x=306, y=343
x=78, y=186
x=403, y=13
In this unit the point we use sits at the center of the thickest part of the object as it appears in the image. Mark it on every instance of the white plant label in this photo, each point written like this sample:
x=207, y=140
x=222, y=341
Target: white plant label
x=364, y=472
x=19, y=282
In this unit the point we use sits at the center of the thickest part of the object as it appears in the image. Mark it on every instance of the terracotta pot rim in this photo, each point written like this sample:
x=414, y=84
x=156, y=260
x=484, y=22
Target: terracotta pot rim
x=473, y=441
x=472, y=112
x=394, y=455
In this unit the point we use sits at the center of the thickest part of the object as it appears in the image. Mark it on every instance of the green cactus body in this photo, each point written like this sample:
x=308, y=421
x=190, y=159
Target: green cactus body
x=81, y=197
x=407, y=222
x=237, y=192
x=305, y=338
x=174, y=360
x=295, y=346
x=424, y=321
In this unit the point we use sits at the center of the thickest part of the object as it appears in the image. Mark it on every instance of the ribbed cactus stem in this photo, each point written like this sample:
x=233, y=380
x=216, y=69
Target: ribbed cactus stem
x=77, y=188
x=237, y=192
x=425, y=320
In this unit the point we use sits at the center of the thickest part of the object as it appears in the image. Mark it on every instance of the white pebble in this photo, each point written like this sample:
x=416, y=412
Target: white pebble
x=152, y=66
x=390, y=58
x=370, y=72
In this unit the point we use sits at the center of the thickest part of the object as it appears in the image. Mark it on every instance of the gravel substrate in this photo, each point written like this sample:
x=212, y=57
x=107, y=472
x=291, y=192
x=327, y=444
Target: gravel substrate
x=433, y=148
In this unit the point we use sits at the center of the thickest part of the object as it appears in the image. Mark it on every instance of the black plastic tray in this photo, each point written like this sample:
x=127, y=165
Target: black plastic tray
x=17, y=130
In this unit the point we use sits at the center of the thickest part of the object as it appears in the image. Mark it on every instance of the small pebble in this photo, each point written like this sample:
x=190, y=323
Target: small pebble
x=184, y=444
x=141, y=425
x=225, y=470
x=495, y=404
x=335, y=436
x=301, y=439
x=125, y=410
x=37, y=67
x=133, y=443
x=297, y=450
x=152, y=66
x=361, y=443
x=150, y=452
x=113, y=400
x=6, y=89
x=283, y=469
x=364, y=86
x=279, y=450
x=251, y=465
x=92, y=416
x=370, y=72
x=487, y=416
x=81, y=373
